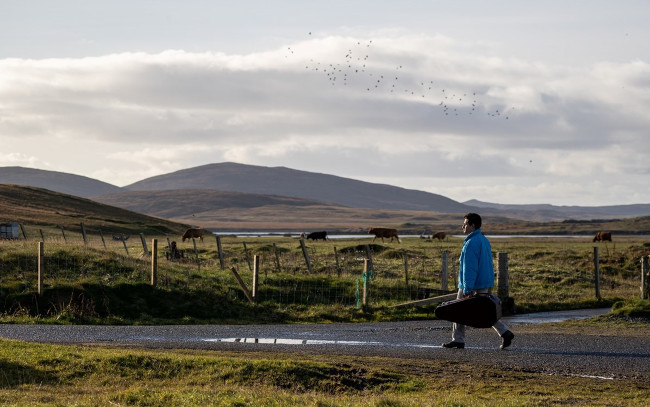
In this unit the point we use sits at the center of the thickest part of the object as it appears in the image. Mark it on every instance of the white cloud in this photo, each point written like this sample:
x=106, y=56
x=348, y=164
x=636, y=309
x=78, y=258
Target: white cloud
x=398, y=108
x=12, y=159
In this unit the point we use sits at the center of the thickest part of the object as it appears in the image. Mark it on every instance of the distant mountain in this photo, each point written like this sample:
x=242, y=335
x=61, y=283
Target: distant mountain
x=231, y=185
x=288, y=182
x=174, y=203
x=70, y=184
x=547, y=212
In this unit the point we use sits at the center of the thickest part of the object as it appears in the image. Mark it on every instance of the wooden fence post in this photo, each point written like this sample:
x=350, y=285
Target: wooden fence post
x=83, y=233
x=405, y=258
x=22, y=227
x=220, y=250
x=366, y=282
x=154, y=262
x=196, y=253
x=102, y=236
x=444, y=278
x=454, y=274
x=248, y=257
x=306, y=255
x=371, y=265
x=645, y=278
x=423, y=265
x=242, y=285
x=144, y=244
x=63, y=233
x=126, y=249
x=41, y=267
x=256, y=276
x=336, y=258
x=503, y=283
x=42, y=237
x=277, y=257
x=597, y=272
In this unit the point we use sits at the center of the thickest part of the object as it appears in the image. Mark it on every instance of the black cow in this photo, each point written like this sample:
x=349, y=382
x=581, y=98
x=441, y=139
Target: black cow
x=315, y=235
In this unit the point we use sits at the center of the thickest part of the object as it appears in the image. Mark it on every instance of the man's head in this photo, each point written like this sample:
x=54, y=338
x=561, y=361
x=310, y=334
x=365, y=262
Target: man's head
x=472, y=221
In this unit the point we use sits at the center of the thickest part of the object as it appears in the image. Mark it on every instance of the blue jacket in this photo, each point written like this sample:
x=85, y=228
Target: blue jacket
x=476, y=269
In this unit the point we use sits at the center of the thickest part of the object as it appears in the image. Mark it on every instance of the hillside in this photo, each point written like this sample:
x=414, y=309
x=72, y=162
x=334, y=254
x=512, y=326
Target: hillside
x=42, y=208
x=56, y=181
x=234, y=211
x=223, y=210
x=38, y=208
x=183, y=203
x=289, y=195
x=299, y=184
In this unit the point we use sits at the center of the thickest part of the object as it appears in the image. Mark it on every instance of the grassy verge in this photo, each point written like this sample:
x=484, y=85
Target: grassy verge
x=37, y=374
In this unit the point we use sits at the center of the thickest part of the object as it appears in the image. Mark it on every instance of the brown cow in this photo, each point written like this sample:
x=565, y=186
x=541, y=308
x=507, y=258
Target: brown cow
x=384, y=233
x=193, y=233
x=439, y=235
x=603, y=236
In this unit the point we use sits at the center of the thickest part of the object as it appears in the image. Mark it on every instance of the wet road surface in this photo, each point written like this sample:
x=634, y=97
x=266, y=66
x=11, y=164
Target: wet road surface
x=606, y=357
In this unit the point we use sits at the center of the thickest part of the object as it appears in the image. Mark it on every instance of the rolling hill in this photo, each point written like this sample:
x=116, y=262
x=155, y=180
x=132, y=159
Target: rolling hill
x=237, y=195
x=225, y=210
x=70, y=184
x=45, y=209
x=299, y=184
x=184, y=203
x=42, y=209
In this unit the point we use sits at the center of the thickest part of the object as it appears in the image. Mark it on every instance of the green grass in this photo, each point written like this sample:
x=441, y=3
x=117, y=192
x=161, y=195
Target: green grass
x=633, y=308
x=49, y=375
x=91, y=284
x=94, y=284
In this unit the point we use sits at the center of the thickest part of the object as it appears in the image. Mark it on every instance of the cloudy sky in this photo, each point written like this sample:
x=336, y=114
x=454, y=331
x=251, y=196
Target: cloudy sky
x=501, y=101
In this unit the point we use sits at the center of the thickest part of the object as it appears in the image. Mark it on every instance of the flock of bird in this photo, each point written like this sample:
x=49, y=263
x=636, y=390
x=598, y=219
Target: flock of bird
x=356, y=70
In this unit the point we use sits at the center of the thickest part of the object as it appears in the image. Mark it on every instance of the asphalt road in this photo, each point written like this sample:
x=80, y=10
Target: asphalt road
x=606, y=357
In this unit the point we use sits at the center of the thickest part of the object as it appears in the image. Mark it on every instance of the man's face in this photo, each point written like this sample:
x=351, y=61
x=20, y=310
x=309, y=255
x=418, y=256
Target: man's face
x=467, y=228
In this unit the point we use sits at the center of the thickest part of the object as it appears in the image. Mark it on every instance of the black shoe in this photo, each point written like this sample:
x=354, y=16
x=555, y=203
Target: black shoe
x=450, y=345
x=507, y=339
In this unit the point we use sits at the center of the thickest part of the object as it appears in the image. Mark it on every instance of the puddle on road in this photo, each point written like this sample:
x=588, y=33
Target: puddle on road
x=535, y=318
x=291, y=341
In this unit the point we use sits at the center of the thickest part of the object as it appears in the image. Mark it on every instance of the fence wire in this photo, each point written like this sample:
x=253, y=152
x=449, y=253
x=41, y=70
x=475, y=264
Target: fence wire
x=540, y=272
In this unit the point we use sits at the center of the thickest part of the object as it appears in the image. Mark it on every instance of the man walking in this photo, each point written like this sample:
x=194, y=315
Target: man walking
x=475, y=275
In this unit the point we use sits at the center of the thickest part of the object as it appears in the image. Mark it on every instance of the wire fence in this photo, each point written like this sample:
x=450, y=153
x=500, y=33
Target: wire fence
x=311, y=273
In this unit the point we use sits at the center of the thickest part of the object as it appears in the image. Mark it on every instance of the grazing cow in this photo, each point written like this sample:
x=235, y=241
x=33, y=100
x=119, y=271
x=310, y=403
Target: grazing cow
x=603, y=236
x=384, y=233
x=193, y=233
x=315, y=235
x=439, y=235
